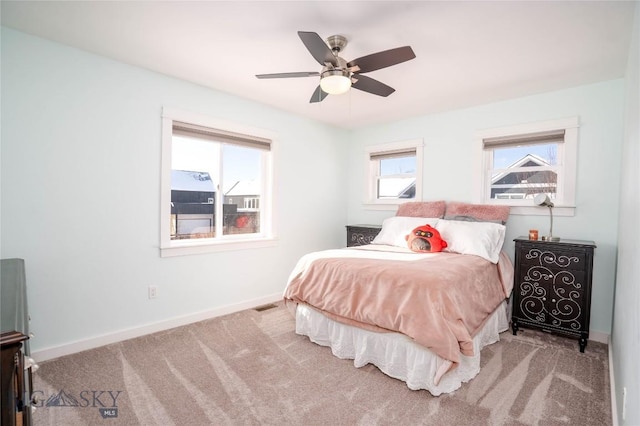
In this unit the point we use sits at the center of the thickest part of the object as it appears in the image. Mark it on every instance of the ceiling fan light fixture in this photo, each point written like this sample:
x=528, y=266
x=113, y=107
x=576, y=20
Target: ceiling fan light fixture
x=335, y=82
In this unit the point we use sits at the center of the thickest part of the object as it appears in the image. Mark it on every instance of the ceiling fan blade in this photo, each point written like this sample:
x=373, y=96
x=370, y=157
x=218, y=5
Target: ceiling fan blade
x=318, y=95
x=317, y=47
x=289, y=74
x=368, y=84
x=383, y=59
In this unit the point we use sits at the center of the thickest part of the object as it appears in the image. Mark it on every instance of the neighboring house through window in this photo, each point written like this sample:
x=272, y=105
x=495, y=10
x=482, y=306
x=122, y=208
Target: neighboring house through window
x=394, y=173
x=192, y=204
x=527, y=176
x=519, y=162
x=211, y=171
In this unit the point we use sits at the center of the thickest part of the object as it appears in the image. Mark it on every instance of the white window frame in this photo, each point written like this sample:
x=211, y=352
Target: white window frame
x=267, y=235
x=566, y=169
x=372, y=169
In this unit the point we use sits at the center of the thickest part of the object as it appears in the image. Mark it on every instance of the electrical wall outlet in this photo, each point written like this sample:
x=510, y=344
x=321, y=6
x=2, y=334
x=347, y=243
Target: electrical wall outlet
x=153, y=292
x=624, y=403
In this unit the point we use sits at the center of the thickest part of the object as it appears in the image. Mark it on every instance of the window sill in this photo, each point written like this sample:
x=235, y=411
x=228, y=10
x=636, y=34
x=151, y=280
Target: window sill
x=185, y=248
x=542, y=211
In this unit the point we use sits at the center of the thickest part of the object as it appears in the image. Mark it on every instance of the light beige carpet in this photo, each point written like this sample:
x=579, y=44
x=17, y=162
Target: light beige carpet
x=250, y=368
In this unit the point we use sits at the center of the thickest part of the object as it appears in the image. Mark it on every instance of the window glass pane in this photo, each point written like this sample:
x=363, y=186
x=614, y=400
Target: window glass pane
x=525, y=156
x=398, y=165
x=241, y=174
x=194, y=171
x=397, y=178
x=524, y=185
x=394, y=188
x=523, y=172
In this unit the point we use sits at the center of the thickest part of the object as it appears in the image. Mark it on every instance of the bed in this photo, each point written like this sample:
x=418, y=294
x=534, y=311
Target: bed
x=422, y=318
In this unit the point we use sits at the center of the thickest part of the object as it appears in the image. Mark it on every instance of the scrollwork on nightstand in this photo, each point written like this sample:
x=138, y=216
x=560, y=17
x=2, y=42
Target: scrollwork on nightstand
x=358, y=239
x=561, y=310
x=551, y=258
x=360, y=235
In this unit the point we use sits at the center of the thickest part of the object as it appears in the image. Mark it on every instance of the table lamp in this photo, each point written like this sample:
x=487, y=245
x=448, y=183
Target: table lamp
x=543, y=200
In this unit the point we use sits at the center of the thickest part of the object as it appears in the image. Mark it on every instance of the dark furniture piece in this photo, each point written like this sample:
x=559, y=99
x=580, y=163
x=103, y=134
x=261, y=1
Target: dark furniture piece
x=17, y=367
x=552, y=287
x=12, y=379
x=360, y=235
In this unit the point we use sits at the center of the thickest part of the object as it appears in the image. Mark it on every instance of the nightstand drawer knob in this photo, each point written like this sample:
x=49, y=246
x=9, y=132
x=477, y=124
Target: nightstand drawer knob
x=553, y=300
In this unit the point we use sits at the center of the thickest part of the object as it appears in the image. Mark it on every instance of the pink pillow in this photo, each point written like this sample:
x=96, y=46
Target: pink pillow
x=422, y=209
x=477, y=212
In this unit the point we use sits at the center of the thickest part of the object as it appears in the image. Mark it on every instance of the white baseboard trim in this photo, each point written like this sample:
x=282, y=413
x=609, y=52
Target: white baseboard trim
x=597, y=336
x=612, y=385
x=118, y=336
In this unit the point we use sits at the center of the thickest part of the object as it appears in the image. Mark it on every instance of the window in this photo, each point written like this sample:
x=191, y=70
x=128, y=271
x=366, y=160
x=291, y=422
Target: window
x=520, y=162
x=522, y=166
x=216, y=185
x=394, y=173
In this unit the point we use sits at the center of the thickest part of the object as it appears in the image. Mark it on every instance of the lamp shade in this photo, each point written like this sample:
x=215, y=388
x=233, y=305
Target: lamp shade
x=335, y=82
x=543, y=200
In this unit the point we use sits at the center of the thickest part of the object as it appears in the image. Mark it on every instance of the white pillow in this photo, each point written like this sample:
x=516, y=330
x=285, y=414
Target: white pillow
x=396, y=228
x=484, y=239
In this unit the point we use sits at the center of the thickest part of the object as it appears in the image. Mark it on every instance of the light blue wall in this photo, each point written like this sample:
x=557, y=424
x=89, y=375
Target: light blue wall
x=449, y=169
x=81, y=193
x=626, y=318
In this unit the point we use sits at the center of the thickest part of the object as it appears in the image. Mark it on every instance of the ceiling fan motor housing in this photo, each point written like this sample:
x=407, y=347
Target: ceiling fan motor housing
x=337, y=43
x=341, y=64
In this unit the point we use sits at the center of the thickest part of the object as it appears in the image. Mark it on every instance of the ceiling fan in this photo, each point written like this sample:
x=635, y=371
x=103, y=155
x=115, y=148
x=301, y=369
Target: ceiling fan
x=338, y=75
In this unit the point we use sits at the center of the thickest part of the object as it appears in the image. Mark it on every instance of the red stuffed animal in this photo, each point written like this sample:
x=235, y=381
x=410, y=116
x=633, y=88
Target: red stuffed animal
x=425, y=239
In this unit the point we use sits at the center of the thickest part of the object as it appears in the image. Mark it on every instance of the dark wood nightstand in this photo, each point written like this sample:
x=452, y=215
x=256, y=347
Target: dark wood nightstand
x=360, y=235
x=15, y=410
x=552, y=287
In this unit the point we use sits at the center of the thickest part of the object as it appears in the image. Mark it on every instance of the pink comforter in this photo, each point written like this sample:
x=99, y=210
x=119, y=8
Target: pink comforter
x=440, y=300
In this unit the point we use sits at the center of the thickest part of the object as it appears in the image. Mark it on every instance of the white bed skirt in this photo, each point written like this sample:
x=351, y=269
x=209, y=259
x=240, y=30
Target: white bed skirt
x=397, y=355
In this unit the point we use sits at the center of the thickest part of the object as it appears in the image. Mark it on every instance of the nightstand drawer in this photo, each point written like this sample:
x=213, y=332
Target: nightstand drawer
x=360, y=235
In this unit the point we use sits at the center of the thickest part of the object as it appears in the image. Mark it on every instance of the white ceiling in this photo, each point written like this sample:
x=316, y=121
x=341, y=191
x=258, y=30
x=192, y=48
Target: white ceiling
x=467, y=53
